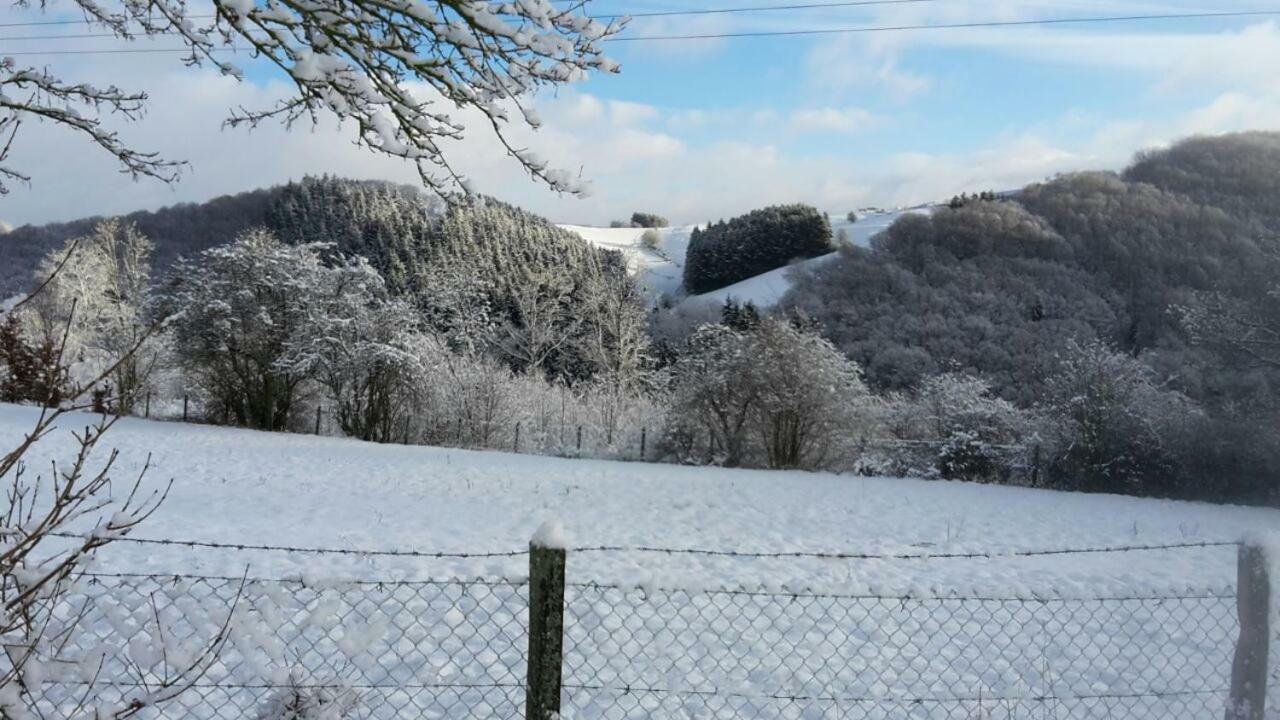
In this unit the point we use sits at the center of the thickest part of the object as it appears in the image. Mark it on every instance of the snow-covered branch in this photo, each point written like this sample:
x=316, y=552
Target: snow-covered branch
x=402, y=70
x=33, y=94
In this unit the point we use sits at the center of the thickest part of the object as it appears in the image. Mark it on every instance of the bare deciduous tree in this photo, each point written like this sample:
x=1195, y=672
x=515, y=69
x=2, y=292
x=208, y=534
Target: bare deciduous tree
x=49, y=529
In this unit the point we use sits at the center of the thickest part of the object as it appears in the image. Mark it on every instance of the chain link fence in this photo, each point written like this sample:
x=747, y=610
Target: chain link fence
x=633, y=653
x=458, y=649
x=378, y=650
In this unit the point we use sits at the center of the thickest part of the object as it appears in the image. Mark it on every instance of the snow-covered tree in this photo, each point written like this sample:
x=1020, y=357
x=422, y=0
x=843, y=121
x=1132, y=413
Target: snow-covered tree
x=455, y=303
x=94, y=290
x=775, y=395
x=461, y=398
x=811, y=401
x=540, y=322
x=238, y=313
x=395, y=69
x=712, y=400
x=52, y=527
x=358, y=344
x=1117, y=429
x=972, y=434
x=616, y=342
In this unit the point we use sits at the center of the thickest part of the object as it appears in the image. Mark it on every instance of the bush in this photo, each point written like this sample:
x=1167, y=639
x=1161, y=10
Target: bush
x=726, y=252
x=30, y=372
x=773, y=396
x=851, y=217
x=651, y=239
x=648, y=220
x=616, y=224
x=1117, y=429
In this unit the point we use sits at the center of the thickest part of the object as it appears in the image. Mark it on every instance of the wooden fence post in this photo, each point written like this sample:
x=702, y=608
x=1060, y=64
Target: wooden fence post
x=184, y=407
x=318, y=409
x=644, y=437
x=579, y=439
x=1248, y=699
x=147, y=411
x=516, y=444
x=546, y=623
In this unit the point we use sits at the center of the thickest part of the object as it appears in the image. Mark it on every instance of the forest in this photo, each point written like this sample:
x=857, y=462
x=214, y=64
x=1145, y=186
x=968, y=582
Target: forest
x=1100, y=331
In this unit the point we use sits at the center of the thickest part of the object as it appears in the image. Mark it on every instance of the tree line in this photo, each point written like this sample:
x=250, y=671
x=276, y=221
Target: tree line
x=1095, y=332
x=1135, y=313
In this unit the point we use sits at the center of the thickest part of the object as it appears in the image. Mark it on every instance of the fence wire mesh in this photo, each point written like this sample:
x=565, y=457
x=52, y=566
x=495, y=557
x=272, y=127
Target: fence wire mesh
x=634, y=653
x=379, y=650
x=455, y=649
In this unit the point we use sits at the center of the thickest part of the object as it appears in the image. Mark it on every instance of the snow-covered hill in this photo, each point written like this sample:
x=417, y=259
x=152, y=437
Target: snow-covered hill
x=661, y=272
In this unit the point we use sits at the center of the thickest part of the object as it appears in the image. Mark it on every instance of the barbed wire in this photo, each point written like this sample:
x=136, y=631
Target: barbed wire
x=317, y=583
x=825, y=555
x=301, y=550
x=813, y=554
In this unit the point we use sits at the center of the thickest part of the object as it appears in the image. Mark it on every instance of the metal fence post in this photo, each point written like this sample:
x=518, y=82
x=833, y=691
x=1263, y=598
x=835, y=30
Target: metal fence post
x=546, y=623
x=1248, y=699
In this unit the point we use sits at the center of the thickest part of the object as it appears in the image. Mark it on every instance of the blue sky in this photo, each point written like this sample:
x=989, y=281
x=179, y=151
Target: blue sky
x=699, y=129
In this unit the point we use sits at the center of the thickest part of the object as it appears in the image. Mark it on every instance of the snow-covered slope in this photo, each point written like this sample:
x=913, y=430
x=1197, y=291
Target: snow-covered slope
x=255, y=487
x=661, y=272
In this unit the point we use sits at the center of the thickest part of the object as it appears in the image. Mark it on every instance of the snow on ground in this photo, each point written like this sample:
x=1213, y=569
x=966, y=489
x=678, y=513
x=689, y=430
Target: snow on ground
x=264, y=488
x=419, y=650
x=661, y=272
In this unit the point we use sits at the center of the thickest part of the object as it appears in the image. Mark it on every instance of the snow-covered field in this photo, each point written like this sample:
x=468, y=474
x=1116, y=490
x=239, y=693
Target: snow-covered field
x=661, y=272
x=271, y=488
x=259, y=488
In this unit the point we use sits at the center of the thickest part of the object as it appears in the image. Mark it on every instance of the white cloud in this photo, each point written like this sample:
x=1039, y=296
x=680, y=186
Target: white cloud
x=832, y=120
x=843, y=65
x=638, y=155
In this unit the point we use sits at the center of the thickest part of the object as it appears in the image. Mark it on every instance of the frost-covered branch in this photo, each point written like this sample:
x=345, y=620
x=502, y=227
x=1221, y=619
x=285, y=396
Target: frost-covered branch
x=403, y=70
x=34, y=94
x=50, y=528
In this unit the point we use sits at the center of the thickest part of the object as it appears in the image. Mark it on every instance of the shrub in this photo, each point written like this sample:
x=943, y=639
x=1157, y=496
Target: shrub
x=851, y=217
x=774, y=396
x=648, y=220
x=30, y=372
x=651, y=239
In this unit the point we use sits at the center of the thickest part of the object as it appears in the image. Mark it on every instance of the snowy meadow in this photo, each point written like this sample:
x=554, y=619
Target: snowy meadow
x=1143, y=633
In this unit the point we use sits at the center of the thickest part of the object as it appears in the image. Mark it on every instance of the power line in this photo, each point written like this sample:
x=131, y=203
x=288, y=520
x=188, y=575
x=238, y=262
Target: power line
x=713, y=36
x=79, y=22
x=952, y=26
x=762, y=8
x=613, y=16
x=118, y=51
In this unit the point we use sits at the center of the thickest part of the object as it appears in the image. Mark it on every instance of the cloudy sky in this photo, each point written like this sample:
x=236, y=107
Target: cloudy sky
x=708, y=128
